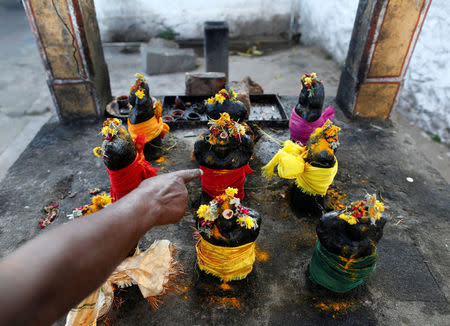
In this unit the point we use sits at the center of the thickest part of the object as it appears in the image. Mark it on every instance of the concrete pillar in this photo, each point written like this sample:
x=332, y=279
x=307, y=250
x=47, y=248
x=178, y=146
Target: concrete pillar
x=216, y=47
x=384, y=36
x=68, y=39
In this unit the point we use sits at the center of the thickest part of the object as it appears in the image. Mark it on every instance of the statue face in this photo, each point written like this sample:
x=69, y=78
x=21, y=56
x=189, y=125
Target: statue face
x=236, y=110
x=118, y=153
x=312, y=102
x=226, y=143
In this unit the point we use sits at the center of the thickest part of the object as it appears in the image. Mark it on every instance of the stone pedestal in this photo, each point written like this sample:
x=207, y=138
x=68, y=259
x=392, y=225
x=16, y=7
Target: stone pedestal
x=204, y=83
x=67, y=35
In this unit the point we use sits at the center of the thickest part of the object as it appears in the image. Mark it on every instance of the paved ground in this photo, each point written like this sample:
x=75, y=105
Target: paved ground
x=411, y=284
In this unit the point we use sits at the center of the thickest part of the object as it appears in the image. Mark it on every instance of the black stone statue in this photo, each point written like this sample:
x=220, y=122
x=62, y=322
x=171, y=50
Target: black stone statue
x=321, y=147
x=145, y=118
x=309, y=107
x=228, y=230
x=347, y=240
x=226, y=101
x=227, y=149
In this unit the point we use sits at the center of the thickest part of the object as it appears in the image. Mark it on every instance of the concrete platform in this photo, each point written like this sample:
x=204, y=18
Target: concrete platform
x=410, y=286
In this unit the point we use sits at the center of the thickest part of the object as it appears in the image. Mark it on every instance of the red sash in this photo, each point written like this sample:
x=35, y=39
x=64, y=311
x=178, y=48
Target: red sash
x=214, y=182
x=125, y=180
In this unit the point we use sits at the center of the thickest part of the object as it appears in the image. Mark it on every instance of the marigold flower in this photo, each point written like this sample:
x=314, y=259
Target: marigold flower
x=158, y=109
x=203, y=211
x=220, y=98
x=230, y=192
x=379, y=206
x=213, y=140
x=246, y=221
x=223, y=120
x=105, y=131
x=98, y=151
x=101, y=200
x=211, y=100
x=348, y=218
x=140, y=94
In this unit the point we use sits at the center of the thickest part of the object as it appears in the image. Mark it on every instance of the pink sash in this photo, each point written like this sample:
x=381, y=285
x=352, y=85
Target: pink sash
x=300, y=129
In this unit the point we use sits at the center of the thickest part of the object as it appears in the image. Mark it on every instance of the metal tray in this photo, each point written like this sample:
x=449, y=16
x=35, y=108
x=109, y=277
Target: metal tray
x=266, y=109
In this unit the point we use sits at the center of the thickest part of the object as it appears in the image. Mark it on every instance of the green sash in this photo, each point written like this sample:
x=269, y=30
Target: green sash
x=337, y=273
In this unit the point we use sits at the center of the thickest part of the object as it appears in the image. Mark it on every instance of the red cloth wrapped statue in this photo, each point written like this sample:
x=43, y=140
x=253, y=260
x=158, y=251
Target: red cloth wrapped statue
x=223, y=155
x=124, y=159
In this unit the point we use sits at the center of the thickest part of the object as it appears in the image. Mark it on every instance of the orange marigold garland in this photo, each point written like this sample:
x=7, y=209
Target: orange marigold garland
x=112, y=127
x=223, y=128
x=222, y=96
x=226, y=205
x=330, y=139
x=367, y=209
x=98, y=202
x=137, y=86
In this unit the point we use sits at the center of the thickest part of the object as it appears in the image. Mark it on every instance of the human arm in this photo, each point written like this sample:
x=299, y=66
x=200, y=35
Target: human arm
x=50, y=274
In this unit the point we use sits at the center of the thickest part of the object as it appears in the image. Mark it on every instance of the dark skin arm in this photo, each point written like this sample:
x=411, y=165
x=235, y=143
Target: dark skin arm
x=52, y=273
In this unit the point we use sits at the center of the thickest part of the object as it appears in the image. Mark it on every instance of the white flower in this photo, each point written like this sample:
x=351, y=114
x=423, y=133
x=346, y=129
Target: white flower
x=255, y=226
x=75, y=214
x=334, y=145
x=235, y=201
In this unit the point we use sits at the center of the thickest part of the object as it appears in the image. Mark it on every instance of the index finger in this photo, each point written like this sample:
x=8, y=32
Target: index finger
x=188, y=175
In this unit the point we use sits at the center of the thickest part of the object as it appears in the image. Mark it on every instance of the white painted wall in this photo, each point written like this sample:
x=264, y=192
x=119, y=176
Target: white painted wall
x=328, y=24
x=425, y=97
x=137, y=20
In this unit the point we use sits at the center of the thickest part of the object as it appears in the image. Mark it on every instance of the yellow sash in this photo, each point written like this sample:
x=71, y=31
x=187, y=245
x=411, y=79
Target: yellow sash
x=291, y=165
x=226, y=263
x=151, y=129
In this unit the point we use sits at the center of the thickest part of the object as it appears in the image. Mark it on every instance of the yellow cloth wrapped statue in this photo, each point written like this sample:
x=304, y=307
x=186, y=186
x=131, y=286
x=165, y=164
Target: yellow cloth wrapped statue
x=313, y=167
x=291, y=165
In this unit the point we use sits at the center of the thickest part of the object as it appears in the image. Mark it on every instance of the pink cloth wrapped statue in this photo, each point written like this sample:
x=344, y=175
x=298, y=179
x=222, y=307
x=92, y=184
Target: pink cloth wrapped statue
x=307, y=114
